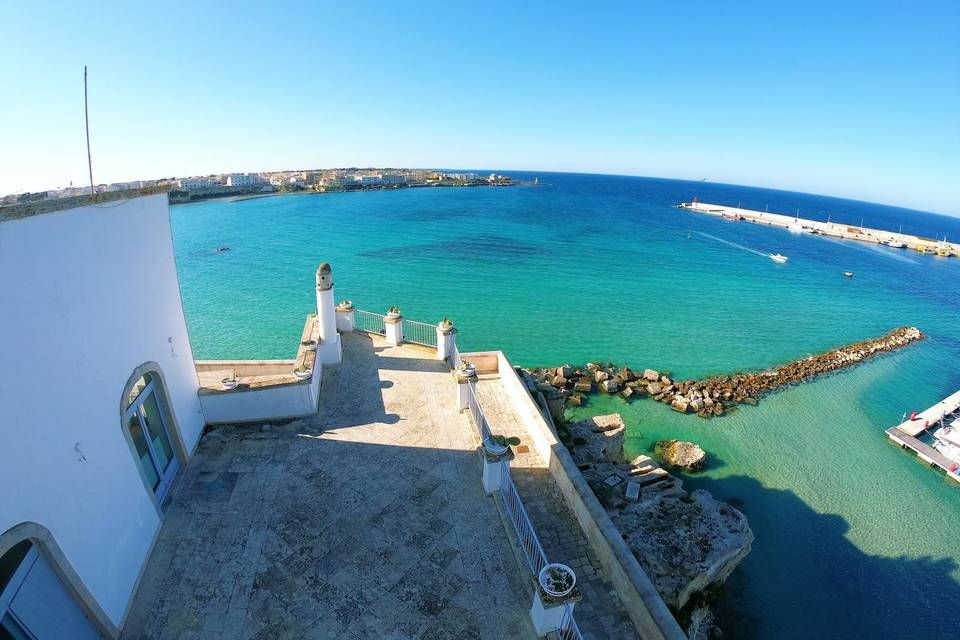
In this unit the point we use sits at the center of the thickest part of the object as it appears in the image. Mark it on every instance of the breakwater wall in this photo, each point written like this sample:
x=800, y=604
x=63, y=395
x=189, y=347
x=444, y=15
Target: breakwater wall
x=708, y=397
x=836, y=230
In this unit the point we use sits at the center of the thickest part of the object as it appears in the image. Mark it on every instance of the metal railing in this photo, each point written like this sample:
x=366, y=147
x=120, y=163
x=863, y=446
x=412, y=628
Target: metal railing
x=455, y=359
x=369, y=322
x=517, y=513
x=419, y=333
x=479, y=420
x=526, y=535
x=568, y=629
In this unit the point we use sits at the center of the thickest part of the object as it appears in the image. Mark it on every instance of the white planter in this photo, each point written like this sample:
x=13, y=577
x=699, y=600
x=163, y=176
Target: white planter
x=303, y=375
x=229, y=384
x=493, y=448
x=545, y=583
x=393, y=315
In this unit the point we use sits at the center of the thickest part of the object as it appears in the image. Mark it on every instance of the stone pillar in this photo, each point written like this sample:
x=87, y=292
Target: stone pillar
x=493, y=468
x=463, y=388
x=547, y=611
x=328, y=347
x=446, y=339
x=394, y=329
x=346, y=317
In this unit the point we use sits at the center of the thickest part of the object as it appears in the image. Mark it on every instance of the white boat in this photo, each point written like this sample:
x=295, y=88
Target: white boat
x=796, y=227
x=946, y=440
x=776, y=257
x=895, y=242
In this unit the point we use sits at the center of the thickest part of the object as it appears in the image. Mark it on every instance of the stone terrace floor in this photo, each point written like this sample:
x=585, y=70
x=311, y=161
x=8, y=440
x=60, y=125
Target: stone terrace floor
x=601, y=614
x=366, y=521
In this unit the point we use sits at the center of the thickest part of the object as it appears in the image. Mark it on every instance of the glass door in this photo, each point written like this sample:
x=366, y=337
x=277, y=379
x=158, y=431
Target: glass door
x=148, y=430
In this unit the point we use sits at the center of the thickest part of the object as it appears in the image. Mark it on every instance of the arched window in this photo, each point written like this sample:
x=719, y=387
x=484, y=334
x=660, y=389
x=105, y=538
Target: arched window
x=148, y=427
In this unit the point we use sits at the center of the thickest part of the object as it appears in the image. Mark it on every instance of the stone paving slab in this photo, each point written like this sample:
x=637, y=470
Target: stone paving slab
x=601, y=613
x=367, y=520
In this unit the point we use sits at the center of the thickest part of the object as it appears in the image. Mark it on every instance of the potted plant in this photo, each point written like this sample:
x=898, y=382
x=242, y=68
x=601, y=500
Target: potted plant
x=446, y=324
x=498, y=445
x=467, y=369
x=303, y=372
x=557, y=579
x=345, y=304
x=393, y=312
x=230, y=382
x=309, y=345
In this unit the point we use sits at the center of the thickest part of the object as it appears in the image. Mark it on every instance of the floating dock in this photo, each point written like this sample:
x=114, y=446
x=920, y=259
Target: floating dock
x=827, y=229
x=905, y=435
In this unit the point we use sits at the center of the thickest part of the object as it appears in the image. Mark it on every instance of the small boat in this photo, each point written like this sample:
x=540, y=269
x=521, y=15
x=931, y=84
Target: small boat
x=776, y=257
x=894, y=243
x=848, y=274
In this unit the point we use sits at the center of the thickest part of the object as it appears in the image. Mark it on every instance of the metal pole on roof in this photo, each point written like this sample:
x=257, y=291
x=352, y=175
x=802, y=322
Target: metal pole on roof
x=86, y=117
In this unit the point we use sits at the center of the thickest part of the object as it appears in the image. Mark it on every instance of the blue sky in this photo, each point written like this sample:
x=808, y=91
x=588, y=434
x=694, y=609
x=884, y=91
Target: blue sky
x=858, y=99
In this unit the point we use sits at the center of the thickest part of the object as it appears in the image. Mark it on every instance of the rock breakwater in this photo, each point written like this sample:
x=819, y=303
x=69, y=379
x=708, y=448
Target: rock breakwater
x=711, y=396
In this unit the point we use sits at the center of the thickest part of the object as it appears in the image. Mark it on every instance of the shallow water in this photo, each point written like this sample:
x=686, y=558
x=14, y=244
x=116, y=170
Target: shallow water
x=851, y=532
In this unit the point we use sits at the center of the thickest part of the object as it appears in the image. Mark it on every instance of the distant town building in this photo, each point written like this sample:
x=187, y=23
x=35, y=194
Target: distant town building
x=197, y=183
x=369, y=180
x=393, y=178
x=242, y=180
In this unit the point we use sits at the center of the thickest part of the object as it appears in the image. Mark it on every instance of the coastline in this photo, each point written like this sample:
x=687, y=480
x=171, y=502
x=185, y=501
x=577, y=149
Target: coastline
x=241, y=197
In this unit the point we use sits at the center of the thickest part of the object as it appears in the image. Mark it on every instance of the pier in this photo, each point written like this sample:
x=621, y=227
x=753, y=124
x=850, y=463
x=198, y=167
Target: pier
x=828, y=229
x=905, y=435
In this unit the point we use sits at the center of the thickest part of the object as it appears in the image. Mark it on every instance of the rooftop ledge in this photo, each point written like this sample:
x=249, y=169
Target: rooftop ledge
x=50, y=205
x=253, y=375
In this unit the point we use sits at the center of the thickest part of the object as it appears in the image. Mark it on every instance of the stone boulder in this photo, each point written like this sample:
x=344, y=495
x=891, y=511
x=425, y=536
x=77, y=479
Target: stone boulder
x=566, y=371
x=651, y=375
x=610, y=386
x=681, y=455
x=603, y=439
x=601, y=376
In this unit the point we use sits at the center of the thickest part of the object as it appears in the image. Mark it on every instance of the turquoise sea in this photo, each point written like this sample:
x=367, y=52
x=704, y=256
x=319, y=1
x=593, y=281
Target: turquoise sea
x=854, y=538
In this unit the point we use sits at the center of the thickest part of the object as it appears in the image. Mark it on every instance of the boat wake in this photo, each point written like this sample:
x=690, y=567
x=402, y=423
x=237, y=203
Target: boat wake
x=734, y=245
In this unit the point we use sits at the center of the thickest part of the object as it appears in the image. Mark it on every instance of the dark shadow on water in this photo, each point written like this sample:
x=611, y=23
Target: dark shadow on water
x=805, y=579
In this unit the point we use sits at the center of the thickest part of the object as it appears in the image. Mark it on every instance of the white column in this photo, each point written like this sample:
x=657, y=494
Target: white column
x=463, y=389
x=346, y=317
x=328, y=348
x=546, y=617
x=393, y=329
x=493, y=470
x=446, y=338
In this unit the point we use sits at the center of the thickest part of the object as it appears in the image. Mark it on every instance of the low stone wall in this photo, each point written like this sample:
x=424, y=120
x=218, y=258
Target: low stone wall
x=649, y=613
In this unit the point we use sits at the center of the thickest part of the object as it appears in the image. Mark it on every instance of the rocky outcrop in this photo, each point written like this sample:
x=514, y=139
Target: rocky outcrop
x=681, y=455
x=716, y=395
x=686, y=542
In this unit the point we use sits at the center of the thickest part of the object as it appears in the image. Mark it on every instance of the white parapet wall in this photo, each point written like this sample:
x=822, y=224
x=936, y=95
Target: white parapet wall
x=89, y=296
x=265, y=389
x=261, y=402
x=649, y=612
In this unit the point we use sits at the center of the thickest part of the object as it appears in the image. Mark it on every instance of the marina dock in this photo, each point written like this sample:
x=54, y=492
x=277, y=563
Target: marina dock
x=905, y=435
x=828, y=229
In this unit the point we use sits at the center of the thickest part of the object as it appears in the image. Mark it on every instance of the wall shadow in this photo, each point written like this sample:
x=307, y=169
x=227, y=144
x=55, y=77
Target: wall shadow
x=821, y=585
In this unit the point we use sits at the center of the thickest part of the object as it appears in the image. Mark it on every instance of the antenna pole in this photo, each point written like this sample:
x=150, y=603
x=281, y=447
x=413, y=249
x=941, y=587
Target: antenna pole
x=86, y=118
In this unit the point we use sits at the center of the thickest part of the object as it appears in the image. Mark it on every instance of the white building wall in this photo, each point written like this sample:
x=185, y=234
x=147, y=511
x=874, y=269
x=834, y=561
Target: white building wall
x=88, y=295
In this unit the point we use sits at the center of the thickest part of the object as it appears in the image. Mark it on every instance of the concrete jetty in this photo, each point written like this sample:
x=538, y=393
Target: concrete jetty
x=905, y=435
x=827, y=229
